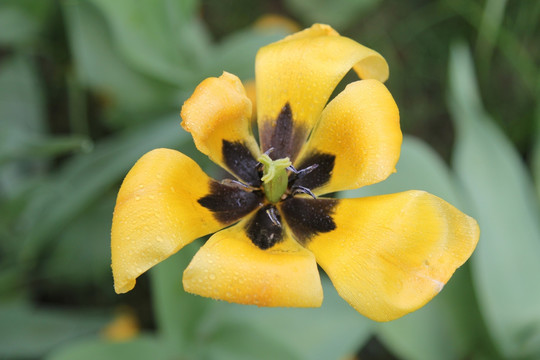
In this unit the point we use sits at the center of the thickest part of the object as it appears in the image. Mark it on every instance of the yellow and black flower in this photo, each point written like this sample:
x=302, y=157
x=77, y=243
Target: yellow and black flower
x=386, y=255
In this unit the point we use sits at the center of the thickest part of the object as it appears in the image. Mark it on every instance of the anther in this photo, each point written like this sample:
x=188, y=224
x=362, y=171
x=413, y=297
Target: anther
x=297, y=189
x=303, y=171
x=273, y=216
x=237, y=184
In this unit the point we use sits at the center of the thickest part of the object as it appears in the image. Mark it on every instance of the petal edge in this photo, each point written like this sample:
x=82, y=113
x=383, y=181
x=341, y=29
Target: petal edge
x=230, y=267
x=218, y=116
x=360, y=129
x=391, y=254
x=157, y=213
x=301, y=72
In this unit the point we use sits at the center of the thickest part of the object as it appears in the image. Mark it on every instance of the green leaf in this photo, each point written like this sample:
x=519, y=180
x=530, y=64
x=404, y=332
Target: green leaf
x=236, y=53
x=83, y=247
x=22, y=20
x=22, y=121
x=338, y=13
x=143, y=347
x=506, y=262
x=240, y=342
x=100, y=66
x=38, y=147
x=536, y=167
x=86, y=177
x=26, y=332
x=448, y=326
x=536, y=153
x=177, y=313
x=161, y=38
x=333, y=331
x=490, y=27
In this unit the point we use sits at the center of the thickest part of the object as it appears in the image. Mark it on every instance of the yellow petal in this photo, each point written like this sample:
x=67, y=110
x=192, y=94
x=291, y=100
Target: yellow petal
x=157, y=213
x=249, y=86
x=229, y=267
x=359, y=131
x=302, y=71
x=389, y=255
x=218, y=116
x=274, y=21
x=124, y=326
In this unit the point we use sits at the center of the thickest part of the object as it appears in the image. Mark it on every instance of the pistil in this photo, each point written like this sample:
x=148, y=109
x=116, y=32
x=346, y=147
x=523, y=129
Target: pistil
x=275, y=177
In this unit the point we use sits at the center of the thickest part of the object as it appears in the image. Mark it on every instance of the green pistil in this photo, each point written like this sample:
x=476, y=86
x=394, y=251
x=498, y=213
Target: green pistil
x=274, y=177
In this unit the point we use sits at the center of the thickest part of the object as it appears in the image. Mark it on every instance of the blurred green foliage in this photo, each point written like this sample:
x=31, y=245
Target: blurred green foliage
x=88, y=86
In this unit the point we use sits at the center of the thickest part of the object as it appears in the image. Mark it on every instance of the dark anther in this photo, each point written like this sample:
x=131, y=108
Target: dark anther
x=237, y=184
x=315, y=171
x=303, y=171
x=292, y=169
x=297, y=189
x=273, y=215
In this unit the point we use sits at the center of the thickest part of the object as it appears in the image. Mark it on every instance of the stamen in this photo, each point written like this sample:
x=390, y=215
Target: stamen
x=297, y=189
x=237, y=184
x=292, y=169
x=308, y=169
x=273, y=216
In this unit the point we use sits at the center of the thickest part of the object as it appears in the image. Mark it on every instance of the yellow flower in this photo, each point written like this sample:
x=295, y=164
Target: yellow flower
x=124, y=326
x=386, y=255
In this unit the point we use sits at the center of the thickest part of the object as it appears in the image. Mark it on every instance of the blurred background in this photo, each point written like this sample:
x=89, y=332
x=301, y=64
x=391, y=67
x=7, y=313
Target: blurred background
x=89, y=86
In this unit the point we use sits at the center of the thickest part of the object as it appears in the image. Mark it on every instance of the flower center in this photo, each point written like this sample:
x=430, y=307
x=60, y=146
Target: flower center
x=275, y=177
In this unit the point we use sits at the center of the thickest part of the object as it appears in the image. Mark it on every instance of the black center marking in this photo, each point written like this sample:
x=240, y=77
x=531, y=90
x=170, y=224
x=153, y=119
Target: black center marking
x=230, y=203
x=265, y=229
x=308, y=217
x=285, y=137
x=241, y=162
x=318, y=176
